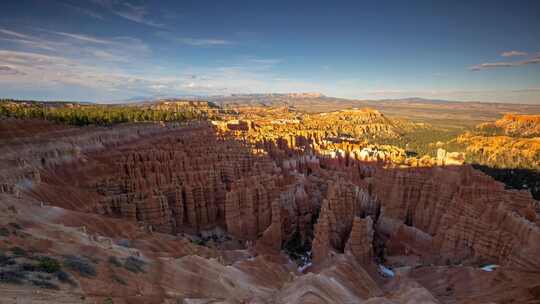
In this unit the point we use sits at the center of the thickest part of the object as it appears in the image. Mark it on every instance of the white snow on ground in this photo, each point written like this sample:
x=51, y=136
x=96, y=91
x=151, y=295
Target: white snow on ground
x=304, y=267
x=386, y=271
x=489, y=268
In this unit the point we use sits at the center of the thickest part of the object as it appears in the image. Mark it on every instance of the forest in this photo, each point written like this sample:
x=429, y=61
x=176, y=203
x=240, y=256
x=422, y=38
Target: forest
x=92, y=114
x=424, y=141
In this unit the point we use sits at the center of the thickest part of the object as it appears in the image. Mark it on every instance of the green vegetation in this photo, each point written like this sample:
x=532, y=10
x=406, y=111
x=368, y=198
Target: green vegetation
x=115, y=261
x=108, y=301
x=134, y=264
x=49, y=265
x=23, y=268
x=44, y=284
x=12, y=276
x=4, y=232
x=424, y=141
x=6, y=260
x=199, y=242
x=28, y=267
x=118, y=279
x=82, y=114
x=64, y=277
x=81, y=265
x=515, y=178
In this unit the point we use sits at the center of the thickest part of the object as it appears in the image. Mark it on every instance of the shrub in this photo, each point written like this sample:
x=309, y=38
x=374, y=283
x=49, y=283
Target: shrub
x=124, y=243
x=108, y=301
x=28, y=267
x=6, y=260
x=115, y=261
x=18, y=251
x=81, y=265
x=16, y=226
x=12, y=276
x=48, y=264
x=118, y=279
x=199, y=242
x=92, y=258
x=4, y=232
x=43, y=277
x=64, y=277
x=45, y=284
x=134, y=264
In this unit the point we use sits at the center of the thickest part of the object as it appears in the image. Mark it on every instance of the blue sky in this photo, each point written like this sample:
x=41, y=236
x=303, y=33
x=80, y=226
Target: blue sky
x=103, y=50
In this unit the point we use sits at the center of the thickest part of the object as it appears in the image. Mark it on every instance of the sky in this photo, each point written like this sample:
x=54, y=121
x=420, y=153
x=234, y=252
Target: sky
x=110, y=50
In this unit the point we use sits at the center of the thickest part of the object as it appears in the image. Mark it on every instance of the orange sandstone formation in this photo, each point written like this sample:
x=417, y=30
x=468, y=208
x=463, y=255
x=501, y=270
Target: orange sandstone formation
x=212, y=208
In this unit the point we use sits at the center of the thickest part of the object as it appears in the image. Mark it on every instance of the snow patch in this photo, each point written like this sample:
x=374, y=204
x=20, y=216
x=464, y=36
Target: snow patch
x=386, y=271
x=489, y=268
x=304, y=267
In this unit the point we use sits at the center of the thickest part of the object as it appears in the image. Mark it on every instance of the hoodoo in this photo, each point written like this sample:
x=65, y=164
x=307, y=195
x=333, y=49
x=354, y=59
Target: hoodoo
x=207, y=211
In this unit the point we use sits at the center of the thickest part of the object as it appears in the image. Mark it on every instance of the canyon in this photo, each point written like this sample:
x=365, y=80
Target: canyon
x=263, y=205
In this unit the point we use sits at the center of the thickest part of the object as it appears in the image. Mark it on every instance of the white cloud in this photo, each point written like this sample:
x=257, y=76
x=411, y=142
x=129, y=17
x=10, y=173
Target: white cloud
x=537, y=89
x=526, y=95
x=268, y=61
x=51, y=71
x=7, y=70
x=83, y=38
x=84, y=11
x=513, y=53
x=502, y=64
x=126, y=10
x=203, y=42
x=77, y=45
x=26, y=40
x=15, y=34
x=197, y=42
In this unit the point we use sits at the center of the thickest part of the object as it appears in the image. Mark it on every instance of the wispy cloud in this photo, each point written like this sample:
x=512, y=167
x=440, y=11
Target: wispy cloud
x=50, y=71
x=487, y=95
x=15, y=34
x=503, y=64
x=55, y=60
x=195, y=42
x=513, y=53
x=27, y=40
x=83, y=46
x=6, y=70
x=129, y=11
x=82, y=37
x=203, y=42
x=84, y=11
x=267, y=61
x=527, y=90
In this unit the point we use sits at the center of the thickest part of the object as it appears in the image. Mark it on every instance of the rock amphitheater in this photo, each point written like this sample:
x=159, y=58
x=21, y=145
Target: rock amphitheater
x=247, y=213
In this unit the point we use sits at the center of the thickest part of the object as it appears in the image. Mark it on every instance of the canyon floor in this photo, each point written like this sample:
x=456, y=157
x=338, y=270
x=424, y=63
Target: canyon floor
x=258, y=207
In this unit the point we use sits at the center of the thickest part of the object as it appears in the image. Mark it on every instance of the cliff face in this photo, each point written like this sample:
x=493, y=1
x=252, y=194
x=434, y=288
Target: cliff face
x=248, y=206
x=519, y=125
x=463, y=213
x=354, y=123
x=189, y=179
x=340, y=225
x=510, y=142
x=360, y=243
x=502, y=151
x=194, y=180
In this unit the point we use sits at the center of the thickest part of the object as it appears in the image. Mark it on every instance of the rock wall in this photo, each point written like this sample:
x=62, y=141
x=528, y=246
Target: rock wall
x=466, y=213
x=343, y=208
x=360, y=243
